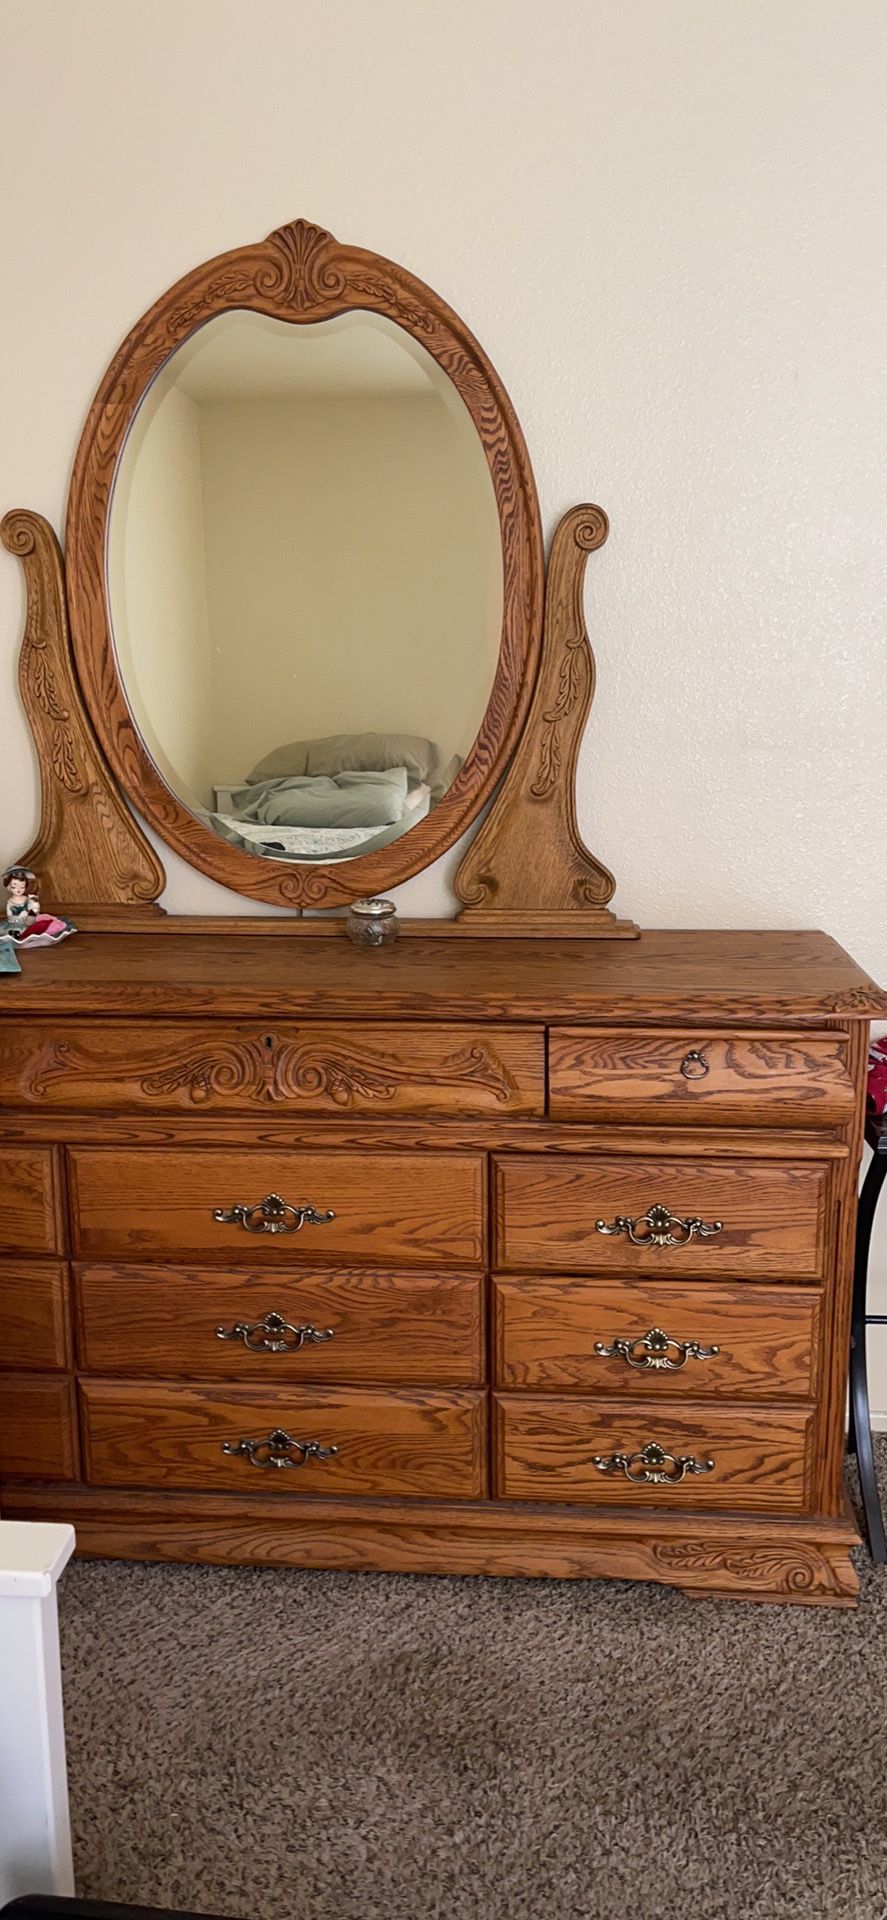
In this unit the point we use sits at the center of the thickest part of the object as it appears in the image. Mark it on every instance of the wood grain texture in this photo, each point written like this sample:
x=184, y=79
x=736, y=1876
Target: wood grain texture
x=387, y=1327
x=676, y=979
x=738, y=1556
x=470, y=1133
x=89, y=849
x=527, y=871
x=30, y=1218
x=427, y=1443
x=544, y=1449
x=114, y=1066
x=773, y=1216
x=38, y=1429
x=545, y=1332
x=34, y=1317
x=844, y=1181
x=412, y=1209
x=698, y=1078
x=302, y=275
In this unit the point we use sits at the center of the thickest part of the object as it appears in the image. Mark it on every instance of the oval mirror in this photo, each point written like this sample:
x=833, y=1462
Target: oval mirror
x=305, y=582
x=309, y=638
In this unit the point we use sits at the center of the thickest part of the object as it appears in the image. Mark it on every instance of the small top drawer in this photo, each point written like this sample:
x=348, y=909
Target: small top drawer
x=29, y=1201
x=742, y=1079
x=198, y=1066
x=263, y=1207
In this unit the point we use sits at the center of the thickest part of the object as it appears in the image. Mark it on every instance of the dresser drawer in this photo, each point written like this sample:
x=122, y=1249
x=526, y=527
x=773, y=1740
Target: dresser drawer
x=728, y=1341
x=29, y=1209
x=33, y=1314
x=178, y=1066
x=411, y=1208
x=564, y=1212
x=739, y=1079
x=400, y=1444
x=38, y=1435
x=348, y=1324
x=546, y=1448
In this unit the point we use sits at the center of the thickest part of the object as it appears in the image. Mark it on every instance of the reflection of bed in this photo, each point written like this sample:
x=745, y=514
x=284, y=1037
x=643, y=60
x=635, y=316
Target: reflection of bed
x=315, y=843
x=327, y=799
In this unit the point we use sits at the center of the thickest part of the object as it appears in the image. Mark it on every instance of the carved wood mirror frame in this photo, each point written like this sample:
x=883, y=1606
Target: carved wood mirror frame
x=301, y=275
x=526, y=871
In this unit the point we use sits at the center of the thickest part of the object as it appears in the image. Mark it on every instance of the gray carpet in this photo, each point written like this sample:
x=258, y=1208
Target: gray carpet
x=313, y=1746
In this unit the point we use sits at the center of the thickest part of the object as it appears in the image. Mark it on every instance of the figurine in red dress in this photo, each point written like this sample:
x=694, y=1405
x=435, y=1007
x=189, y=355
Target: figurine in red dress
x=25, y=924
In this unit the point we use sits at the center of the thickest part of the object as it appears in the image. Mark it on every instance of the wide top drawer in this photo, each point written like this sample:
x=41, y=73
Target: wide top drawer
x=264, y=1207
x=687, y=1077
x=180, y=1066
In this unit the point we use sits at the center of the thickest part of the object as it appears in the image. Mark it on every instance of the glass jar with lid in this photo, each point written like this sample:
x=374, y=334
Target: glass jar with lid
x=372, y=923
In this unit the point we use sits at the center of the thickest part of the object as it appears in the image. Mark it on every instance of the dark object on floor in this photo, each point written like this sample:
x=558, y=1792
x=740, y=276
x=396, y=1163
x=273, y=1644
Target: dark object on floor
x=38, y=1906
x=860, y=1435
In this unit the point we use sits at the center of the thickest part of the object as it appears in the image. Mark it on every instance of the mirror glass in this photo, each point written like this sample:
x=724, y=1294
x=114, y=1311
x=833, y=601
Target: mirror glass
x=304, y=572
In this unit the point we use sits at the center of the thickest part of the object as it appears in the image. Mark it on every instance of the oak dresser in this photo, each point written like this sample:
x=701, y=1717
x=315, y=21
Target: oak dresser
x=520, y=1246
x=523, y=1257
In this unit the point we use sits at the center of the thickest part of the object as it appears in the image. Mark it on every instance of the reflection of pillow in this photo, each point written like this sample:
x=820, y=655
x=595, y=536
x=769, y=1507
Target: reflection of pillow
x=348, y=753
x=364, y=799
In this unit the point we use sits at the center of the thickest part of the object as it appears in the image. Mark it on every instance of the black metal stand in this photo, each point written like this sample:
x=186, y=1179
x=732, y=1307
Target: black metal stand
x=859, y=1438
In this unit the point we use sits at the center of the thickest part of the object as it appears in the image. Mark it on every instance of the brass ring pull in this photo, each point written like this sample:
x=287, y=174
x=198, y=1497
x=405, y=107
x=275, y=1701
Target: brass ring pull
x=271, y=1215
x=652, y=1466
x=274, y=1334
x=655, y=1349
x=278, y=1449
x=660, y=1228
x=694, y=1065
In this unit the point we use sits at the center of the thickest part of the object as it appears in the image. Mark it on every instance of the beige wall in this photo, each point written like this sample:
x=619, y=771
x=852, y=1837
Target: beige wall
x=665, y=221
x=354, y=572
x=157, y=584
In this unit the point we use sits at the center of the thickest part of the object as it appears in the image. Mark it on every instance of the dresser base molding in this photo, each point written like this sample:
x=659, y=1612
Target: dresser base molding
x=802, y=1563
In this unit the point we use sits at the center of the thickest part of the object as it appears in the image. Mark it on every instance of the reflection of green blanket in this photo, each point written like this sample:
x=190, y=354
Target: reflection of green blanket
x=358, y=799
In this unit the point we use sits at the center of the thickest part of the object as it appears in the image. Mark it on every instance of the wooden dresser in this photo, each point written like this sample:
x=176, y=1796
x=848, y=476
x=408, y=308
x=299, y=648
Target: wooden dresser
x=476, y=1256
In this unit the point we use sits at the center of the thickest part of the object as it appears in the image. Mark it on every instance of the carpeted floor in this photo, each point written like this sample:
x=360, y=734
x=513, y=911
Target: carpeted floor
x=312, y=1746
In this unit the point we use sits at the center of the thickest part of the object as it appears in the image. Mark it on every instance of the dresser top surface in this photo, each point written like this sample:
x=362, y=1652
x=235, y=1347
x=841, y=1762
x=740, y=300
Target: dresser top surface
x=662, y=975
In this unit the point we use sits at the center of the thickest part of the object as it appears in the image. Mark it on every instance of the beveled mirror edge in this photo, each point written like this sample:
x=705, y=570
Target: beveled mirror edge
x=301, y=274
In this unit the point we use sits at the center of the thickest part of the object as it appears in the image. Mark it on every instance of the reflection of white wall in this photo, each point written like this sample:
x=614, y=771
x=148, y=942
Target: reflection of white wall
x=157, y=575
x=354, y=571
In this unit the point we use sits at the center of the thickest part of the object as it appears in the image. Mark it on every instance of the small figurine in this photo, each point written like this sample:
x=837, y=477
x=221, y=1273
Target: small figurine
x=25, y=924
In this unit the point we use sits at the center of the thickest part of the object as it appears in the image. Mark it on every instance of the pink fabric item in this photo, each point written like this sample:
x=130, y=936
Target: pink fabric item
x=876, y=1094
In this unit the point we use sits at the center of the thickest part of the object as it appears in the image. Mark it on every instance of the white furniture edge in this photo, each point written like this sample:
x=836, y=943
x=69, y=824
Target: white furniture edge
x=35, y=1829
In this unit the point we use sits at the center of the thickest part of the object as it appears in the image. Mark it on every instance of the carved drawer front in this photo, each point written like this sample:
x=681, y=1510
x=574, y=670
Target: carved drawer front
x=348, y=1324
x=200, y=1067
x=639, y=1452
x=224, y=1204
x=38, y=1433
x=29, y=1212
x=709, y=1218
x=33, y=1314
x=668, y=1339
x=742, y=1079
x=320, y=1440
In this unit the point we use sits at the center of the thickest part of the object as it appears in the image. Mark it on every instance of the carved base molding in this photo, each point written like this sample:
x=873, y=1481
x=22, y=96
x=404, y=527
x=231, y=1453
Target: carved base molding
x=800, y=1562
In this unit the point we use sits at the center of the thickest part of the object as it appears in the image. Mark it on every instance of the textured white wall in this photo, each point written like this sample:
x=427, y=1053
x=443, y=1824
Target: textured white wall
x=666, y=222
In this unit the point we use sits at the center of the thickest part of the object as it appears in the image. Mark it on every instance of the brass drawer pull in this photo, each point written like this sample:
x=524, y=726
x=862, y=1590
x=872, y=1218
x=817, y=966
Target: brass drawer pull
x=274, y=1334
x=271, y=1215
x=694, y=1065
x=655, y=1349
x=659, y=1228
x=278, y=1449
x=652, y=1466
